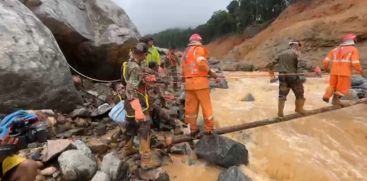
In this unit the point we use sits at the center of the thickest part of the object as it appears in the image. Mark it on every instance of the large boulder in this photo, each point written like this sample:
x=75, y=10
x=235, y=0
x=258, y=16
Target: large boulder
x=75, y=165
x=95, y=35
x=33, y=71
x=221, y=151
x=114, y=167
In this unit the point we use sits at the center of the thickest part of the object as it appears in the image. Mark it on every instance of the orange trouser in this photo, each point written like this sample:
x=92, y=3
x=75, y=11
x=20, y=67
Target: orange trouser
x=339, y=85
x=193, y=99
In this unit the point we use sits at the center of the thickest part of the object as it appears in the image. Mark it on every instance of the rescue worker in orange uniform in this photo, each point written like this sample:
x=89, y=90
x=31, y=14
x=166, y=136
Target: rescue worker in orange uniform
x=196, y=74
x=342, y=60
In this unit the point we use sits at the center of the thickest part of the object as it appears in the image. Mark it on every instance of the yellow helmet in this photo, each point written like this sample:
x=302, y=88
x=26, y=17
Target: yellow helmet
x=11, y=162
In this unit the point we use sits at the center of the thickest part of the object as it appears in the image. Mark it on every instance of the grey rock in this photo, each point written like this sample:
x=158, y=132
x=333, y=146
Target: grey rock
x=81, y=146
x=182, y=148
x=221, y=151
x=101, y=110
x=114, y=167
x=248, y=98
x=33, y=71
x=95, y=35
x=75, y=165
x=101, y=176
x=80, y=112
x=100, y=130
x=232, y=174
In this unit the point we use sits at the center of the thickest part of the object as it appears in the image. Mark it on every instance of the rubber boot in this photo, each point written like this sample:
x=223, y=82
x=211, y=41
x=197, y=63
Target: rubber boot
x=336, y=100
x=129, y=148
x=299, y=106
x=147, y=160
x=281, y=104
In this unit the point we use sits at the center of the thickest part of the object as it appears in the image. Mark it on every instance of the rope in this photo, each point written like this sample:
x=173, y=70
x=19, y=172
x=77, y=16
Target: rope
x=90, y=78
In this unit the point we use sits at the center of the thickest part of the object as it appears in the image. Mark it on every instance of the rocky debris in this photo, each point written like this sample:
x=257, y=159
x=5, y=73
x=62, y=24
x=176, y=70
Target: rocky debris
x=156, y=174
x=75, y=165
x=248, y=98
x=93, y=35
x=80, y=112
x=182, y=148
x=49, y=171
x=232, y=174
x=100, y=130
x=114, y=167
x=82, y=122
x=54, y=148
x=81, y=146
x=101, y=176
x=34, y=73
x=71, y=132
x=102, y=110
x=359, y=86
x=97, y=146
x=221, y=151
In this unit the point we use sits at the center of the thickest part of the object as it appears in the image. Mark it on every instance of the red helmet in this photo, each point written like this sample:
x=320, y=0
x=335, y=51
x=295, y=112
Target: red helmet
x=349, y=36
x=195, y=37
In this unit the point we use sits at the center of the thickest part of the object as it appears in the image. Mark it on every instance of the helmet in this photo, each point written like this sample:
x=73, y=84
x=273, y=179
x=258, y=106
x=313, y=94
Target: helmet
x=294, y=42
x=195, y=37
x=140, y=48
x=349, y=36
x=11, y=162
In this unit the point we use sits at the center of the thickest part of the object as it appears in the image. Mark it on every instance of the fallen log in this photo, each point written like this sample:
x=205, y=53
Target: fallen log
x=229, y=129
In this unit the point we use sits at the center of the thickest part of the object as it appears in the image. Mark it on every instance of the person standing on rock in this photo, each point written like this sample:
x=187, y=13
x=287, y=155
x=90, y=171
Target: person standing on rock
x=342, y=59
x=196, y=71
x=153, y=53
x=291, y=76
x=137, y=108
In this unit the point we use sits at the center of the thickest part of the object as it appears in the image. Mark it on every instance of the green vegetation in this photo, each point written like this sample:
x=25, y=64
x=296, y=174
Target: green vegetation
x=239, y=15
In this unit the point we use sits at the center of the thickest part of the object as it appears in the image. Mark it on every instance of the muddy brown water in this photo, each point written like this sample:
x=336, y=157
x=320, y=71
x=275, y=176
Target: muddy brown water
x=325, y=147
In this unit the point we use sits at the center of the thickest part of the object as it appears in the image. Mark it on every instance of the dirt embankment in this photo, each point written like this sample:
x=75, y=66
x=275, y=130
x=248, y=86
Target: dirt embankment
x=319, y=24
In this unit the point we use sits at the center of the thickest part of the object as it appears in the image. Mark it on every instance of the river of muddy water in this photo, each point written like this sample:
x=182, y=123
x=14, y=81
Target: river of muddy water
x=326, y=147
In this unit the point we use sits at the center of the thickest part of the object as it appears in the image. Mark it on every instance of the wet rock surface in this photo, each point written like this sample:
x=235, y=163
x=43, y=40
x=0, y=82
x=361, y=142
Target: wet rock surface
x=34, y=73
x=221, y=151
x=95, y=36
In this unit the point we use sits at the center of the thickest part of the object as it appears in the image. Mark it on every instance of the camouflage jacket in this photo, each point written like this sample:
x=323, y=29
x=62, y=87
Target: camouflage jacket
x=134, y=76
x=289, y=61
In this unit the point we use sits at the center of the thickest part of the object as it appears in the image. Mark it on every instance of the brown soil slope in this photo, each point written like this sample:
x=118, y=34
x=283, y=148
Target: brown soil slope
x=318, y=23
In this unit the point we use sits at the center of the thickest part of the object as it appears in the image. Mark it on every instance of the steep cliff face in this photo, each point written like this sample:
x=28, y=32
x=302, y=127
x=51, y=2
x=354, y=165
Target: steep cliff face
x=319, y=24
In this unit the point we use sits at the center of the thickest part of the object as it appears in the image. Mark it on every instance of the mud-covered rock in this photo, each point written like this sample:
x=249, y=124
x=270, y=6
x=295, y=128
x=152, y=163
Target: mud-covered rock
x=232, y=174
x=75, y=165
x=33, y=71
x=248, y=98
x=97, y=146
x=94, y=35
x=221, y=151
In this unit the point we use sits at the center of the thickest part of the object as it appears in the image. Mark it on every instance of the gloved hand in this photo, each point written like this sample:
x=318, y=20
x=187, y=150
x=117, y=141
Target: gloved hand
x=318, y=71
x=150, y=79
x=139, y=114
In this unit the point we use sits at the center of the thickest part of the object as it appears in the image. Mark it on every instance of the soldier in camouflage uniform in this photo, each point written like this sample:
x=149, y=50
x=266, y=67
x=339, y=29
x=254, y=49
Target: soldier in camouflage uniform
x=136, y=105
x=291, y=76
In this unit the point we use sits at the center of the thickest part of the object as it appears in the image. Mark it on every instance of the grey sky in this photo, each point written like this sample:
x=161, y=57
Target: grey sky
x=151, y=16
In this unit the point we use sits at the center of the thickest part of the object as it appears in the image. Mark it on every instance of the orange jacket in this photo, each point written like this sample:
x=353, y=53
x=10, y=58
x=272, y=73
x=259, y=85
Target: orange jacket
x=343, y=59
x=195, y=68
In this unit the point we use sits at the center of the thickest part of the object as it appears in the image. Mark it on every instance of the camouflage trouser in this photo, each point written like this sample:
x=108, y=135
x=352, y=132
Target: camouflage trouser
x=286, y=83
x=174, y=75
x=134, y=128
